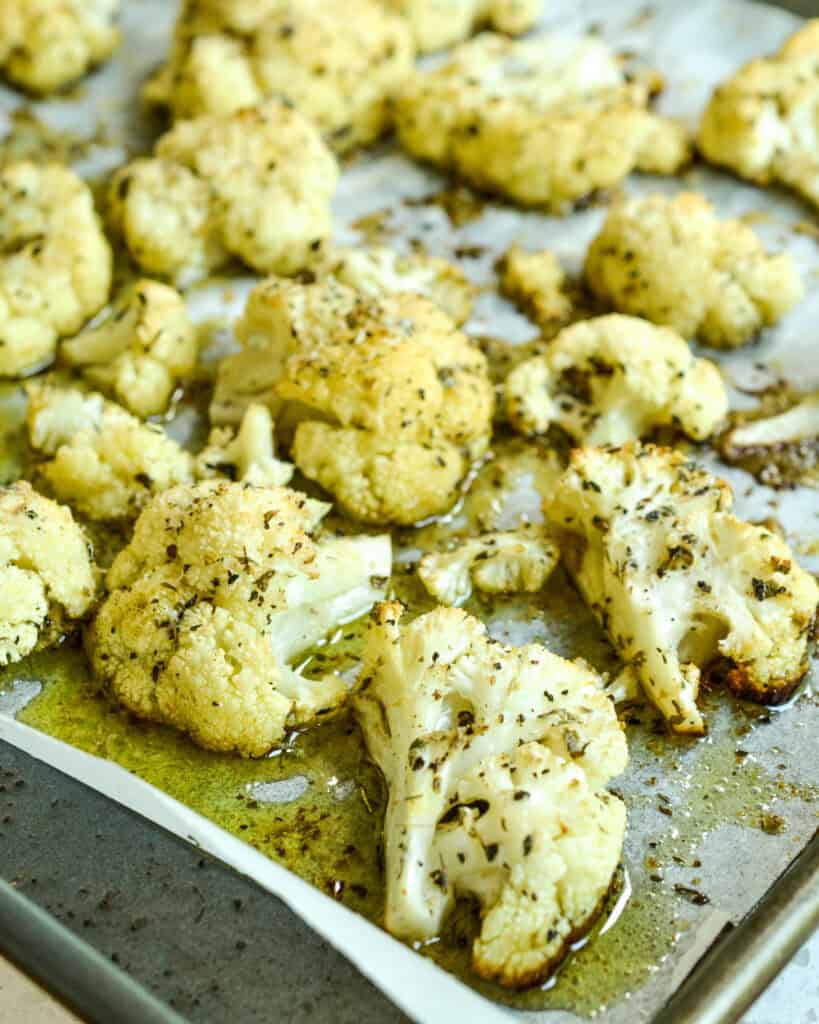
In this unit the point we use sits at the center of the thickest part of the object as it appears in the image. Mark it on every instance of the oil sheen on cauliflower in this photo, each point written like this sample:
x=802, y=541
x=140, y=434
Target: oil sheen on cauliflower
x=46, y=574
x=506, y=562
x=337, y=63
x=140, y=351
x=253, y=185
x=436, y=25
x=100, y=459
x=536, y=283
x=247, y=454
x=671, y=260
x=495, y=758
x=55, y=262
x=389, y=402
x=48, y=44
x=613, y=379
x=545, y=121
x=222, y=588
x=379, y=270
x=678, y=581
x=763, y=123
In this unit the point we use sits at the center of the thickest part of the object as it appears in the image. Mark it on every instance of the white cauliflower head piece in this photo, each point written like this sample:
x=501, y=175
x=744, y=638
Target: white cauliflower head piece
x=545, y=121
x=495, y=759
x=501, y=562
x=247, y=454
x=100, y=459
x=223, y=586
x=391, y=403
x=47, y=577
x=48, y=44
x=338, y=64
x=141, y=349
x=613, y=379
x=55, y=262
x=679, y=582
x=536, y=283
x=673, y=261
x=763, y=123
x=254, y=185
x=436, y=25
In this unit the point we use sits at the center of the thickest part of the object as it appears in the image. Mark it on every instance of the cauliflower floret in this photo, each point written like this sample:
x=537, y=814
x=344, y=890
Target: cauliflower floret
x=101, y=460
x=496, y=759
x=544, y=121
x=536, y=282
x=511, y=561
x=47, y=577
x=140, y=351
x=379, y=270
x=780, y=446
x=436, y=26
x=254, y=185
x=338, y=64
x=671, y=260
x=55, y=262
x=391, y=404
x=47, y=44
x=223, y=586
x=764, y=122
x=614, y=379
x=248, y=454
x=678, y=581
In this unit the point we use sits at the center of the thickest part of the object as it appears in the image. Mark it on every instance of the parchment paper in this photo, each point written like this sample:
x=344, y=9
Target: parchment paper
x=695, y=45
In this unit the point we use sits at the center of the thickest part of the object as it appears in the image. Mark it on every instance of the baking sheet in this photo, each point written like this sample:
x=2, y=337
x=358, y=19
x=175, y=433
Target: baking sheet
x=713, y=840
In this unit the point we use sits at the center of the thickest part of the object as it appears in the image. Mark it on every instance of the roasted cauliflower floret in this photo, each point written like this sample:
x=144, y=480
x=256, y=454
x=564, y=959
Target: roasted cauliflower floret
x=614, y=379
x=379, y=270
x=47, y=577
x=338, y=64
x=506, y=562
x=544, y=121
x=390, y=403
x=100, y=459
x=678, y=581
x=436, y=25
x=47, y=44
x=140, y=351
x=495, y=759
x=55, y=262
x=247, y=454
x=254, y=185
x=536, y=283
x=780, y=446
x=671, y=260
x=762, y=123
x=222, y=587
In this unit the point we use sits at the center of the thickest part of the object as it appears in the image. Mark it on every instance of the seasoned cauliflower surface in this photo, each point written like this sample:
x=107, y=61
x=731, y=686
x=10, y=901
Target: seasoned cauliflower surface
x=46, y=573
x=55, y=262
x=763, y=123
x=48, y=44
x=101, y=460
x=678, y=581
x=780, y=446
x=391, y=404
x=338, y=64
x=545, y=121
x=671, y=260
x=495, y=759
x=247, y=454
x=140, y=351
x=222, y=587
x=436, y=25
x=536, y=282
x=379, y=270
x=511, y=561
x=253, y=185
x=614, y=379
